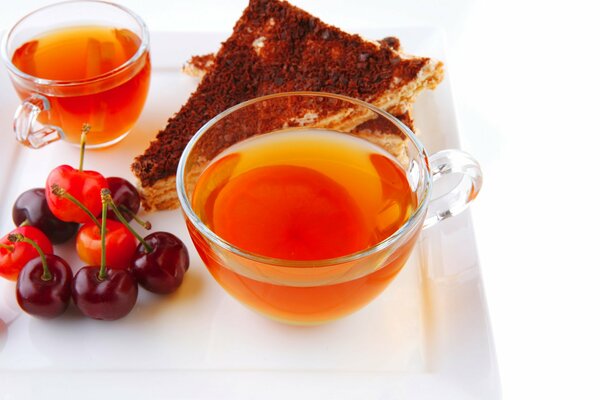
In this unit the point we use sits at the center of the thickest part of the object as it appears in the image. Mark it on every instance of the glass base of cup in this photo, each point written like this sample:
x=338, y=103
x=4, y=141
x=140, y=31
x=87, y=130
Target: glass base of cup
x=105, y=144
x=296, y=322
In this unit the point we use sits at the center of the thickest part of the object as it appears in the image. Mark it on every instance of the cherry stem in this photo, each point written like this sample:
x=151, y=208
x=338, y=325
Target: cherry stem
x=144, y=224
x=7, y=247
x=102, y=273
x=60, y=192
x=18, y=237
x=107, y=197
x=24, y=223
x=85, y=129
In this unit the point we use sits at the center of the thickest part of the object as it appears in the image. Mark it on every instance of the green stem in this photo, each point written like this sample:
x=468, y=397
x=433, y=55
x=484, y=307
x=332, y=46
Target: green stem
x=60, y=192
x=102, y=273
x=24, y=223
x=144, y=224
x=85, y=129
x=106, y=197
x=18, y=237
x=7, y=247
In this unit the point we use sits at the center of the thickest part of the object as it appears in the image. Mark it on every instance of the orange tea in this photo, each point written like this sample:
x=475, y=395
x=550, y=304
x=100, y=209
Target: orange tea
x=93, y=85
x=303, y=195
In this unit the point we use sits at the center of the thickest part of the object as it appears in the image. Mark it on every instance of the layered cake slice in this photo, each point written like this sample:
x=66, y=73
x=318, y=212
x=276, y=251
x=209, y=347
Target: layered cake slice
x=199, y=65
x=276, y=47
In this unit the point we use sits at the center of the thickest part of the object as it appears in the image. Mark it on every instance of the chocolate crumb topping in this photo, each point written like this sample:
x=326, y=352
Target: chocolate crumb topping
x=276, y=47
x=204, y=62
x=391, y=42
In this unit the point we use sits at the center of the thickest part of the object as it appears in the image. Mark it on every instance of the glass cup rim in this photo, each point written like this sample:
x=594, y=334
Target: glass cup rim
x=408, y=225
x=142, y=49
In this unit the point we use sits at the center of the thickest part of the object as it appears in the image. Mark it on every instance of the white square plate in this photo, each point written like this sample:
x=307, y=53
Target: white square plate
x=426, y=337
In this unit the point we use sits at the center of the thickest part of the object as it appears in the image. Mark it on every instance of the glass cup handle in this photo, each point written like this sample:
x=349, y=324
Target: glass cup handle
x=28, y=130
x=456, y=200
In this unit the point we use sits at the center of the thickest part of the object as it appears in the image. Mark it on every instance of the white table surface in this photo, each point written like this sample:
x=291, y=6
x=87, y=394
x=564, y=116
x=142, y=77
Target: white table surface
x=525, y=79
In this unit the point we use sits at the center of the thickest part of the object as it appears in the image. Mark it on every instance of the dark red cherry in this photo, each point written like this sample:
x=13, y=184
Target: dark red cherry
x=45, y=296
x=101, y=292
x=125, y=196
x=161, y=269
x=106, y=299
x=32, y=206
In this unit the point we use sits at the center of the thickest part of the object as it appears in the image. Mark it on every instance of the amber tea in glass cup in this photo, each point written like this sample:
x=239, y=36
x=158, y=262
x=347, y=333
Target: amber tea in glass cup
x=78, y=62
x=296, y=210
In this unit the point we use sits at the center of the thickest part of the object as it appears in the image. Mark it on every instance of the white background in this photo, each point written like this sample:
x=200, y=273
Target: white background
x=526, y=80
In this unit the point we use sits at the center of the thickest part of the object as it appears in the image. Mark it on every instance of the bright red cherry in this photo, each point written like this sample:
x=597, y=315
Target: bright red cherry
x=81, y=187
x=120, y=244
x=84, y=186
x=14, y=256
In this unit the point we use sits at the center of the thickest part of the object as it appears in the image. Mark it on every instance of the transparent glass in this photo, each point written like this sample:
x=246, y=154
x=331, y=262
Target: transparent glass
x=317, y=291
x=110, y=102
